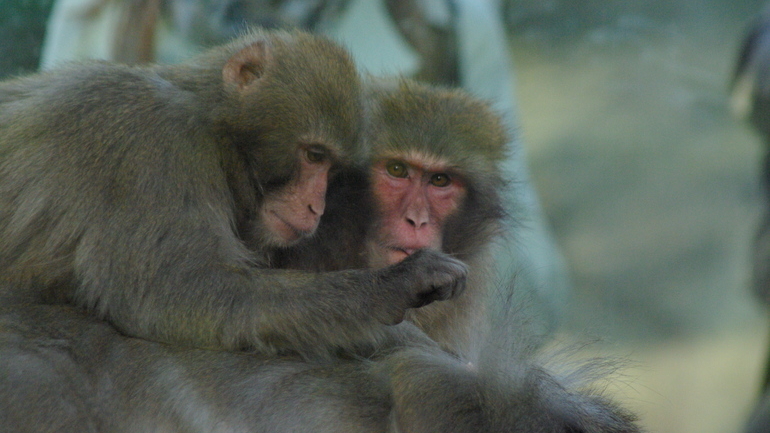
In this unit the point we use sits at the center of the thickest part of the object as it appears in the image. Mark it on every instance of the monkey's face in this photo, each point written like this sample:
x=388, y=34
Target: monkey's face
x=414, y=194
x=293, y=108
x=294, y=211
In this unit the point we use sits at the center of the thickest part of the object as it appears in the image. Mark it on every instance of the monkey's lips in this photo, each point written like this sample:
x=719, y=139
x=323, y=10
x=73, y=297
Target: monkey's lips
x=396, y=254
x=286, y=231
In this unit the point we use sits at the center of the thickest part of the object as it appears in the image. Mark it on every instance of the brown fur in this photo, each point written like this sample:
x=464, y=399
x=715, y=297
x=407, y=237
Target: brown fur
x=135, y=192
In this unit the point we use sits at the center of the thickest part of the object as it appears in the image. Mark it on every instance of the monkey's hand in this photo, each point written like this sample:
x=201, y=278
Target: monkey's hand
x=423, y=277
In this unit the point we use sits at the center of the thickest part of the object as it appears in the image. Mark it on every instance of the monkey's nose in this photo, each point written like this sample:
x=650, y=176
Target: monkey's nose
x=417, y=222
x=317, y=208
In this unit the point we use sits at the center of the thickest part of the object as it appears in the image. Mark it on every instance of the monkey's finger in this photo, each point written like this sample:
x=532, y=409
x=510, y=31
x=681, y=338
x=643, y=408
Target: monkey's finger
x=460, y=285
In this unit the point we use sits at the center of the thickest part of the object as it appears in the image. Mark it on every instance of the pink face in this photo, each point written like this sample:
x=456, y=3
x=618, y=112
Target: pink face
x=295, y=211
x=415, y=194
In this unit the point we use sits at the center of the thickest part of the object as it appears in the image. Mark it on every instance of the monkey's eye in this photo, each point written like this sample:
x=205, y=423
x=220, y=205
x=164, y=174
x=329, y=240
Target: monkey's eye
x=397, y=169
x=315, y=154
x=440, y=179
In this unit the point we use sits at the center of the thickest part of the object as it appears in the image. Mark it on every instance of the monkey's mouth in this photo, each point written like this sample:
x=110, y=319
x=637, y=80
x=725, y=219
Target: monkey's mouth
x=396, y=254
x=407, y=251
x=286, y=230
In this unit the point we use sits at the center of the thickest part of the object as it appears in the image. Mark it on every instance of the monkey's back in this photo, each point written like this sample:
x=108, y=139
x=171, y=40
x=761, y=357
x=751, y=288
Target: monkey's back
x=88, y=148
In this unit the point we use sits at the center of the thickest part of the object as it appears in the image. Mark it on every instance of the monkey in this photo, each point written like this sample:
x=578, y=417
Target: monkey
x=437, y=181
x=750, y=99
x=446, y=146
x=154, y=197
x=436, y=140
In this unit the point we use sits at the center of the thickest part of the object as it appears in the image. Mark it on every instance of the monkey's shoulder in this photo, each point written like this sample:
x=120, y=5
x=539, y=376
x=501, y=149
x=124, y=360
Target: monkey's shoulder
x=95, y=86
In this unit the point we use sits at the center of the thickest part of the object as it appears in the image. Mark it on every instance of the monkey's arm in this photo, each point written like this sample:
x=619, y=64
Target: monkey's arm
x=198, y=293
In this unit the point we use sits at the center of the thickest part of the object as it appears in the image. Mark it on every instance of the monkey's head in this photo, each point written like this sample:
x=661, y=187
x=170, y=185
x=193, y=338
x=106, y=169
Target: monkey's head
x=291, y=107
x=435, y=157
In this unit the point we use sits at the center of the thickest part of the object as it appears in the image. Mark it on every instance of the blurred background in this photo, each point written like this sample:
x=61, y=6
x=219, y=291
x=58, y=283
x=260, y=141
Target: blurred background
x=648, y=183
x=652, y=189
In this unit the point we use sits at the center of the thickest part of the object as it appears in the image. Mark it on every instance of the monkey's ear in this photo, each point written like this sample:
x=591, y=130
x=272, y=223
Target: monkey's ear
x=247, y=65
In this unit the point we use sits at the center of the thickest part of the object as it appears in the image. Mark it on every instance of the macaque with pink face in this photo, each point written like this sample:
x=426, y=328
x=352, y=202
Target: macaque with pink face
x=435, y=182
